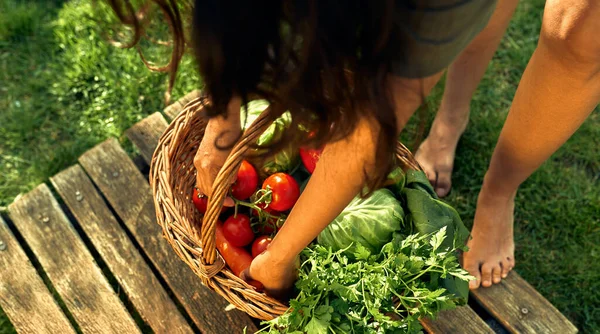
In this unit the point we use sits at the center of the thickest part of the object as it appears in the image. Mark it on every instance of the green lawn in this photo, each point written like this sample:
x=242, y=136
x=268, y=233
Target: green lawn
x=63, y=89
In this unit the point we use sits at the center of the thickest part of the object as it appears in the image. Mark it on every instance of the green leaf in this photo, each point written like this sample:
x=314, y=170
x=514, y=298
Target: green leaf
x=438, y=238
x=429, y=215
x=457, y=287
x=317, y=326
x=361, y=252
x=397, y=178
x=340, y=306
x=285, y=159
x=462, y=274
x=417, y=180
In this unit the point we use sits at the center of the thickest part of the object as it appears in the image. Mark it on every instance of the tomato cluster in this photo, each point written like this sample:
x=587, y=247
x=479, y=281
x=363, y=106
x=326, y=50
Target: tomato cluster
x=248, y=230
x=258, y=214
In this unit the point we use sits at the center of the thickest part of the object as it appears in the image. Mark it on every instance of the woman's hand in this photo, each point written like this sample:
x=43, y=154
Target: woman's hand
x=220, y=131
x=277, y=274
x=208, y=162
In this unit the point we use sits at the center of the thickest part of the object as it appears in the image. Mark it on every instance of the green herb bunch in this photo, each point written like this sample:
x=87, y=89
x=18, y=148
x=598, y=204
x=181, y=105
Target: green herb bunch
x=386, y=292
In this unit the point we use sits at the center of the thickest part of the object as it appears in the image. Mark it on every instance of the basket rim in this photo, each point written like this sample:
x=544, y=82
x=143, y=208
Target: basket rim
x=199, y=251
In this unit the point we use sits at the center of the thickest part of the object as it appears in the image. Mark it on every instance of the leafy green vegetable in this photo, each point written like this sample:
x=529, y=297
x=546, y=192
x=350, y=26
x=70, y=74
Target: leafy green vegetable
x=282, y=161
x=416, y=179
x=384, y=292
x=369, y=222
x=396, y=181
x=427, y=214
x=365, y=275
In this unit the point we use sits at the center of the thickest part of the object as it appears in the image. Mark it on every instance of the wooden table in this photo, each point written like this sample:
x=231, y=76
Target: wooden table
x=84, y=253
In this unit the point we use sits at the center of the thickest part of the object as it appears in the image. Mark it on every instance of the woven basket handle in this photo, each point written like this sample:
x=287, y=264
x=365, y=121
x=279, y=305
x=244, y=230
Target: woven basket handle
x=223, y=182
x=227, y=174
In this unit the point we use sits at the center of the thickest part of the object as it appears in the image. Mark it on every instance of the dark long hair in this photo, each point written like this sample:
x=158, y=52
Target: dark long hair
x=324, y=61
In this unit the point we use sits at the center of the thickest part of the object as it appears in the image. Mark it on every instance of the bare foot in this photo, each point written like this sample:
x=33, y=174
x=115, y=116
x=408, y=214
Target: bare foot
x=436, y=153
x=491, y=249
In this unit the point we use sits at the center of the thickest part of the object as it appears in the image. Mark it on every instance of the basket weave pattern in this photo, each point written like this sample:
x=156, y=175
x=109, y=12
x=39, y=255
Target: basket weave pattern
x=172, y=178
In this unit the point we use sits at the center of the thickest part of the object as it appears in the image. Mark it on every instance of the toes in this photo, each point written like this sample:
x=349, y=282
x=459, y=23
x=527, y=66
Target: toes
x=506, y=267
x=486, y=274
x=497, y=274
x=443, y=184
x=474, y=271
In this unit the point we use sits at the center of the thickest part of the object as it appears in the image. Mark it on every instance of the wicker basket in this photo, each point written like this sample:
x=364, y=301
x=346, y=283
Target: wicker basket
x=172, y=178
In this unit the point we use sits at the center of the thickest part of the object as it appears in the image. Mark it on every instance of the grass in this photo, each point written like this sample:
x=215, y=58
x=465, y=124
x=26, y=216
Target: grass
x=63, y=89
x=557, y=215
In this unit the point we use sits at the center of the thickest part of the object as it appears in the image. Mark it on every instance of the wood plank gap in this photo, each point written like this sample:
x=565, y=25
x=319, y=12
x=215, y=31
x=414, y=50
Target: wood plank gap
x=40, y=271
x=24, y=297
x=143, y=294
x=487, y=317
x=459, y=320
x=112, y=281
x=69, y=264
x=149, y=262
x=130, y=195
x=521, y=309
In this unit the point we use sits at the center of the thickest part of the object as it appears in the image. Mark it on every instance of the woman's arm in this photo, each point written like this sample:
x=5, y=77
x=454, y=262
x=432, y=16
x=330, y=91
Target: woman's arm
x=337, y=179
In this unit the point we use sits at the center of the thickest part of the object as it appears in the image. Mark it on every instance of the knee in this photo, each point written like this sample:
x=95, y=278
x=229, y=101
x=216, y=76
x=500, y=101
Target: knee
x=571, y=30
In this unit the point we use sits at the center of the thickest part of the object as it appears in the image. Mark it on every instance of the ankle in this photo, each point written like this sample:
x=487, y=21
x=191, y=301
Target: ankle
x=450, y=122
x=491, y=197
x=497, y=191
x=456, y=114
x=447, y=130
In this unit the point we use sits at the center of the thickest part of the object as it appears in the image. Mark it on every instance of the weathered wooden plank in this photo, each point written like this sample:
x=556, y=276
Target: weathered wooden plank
x=173, y=110
x=146, y=133
x=69, y=264
x=129, y=194
x=119, y=253
x=460, y=320
x=521, y=309
x=23, y=295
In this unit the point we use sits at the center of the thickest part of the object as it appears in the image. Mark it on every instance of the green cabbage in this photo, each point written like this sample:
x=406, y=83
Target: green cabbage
x=282, y=161
x=370, y=222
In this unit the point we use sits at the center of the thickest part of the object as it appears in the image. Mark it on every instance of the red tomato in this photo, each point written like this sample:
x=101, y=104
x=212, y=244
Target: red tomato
x=238, y=259
x=237, y=230
x=310, y=157
x=246, y=182
x=260, y=245
x=285, y=191
x=200, y=203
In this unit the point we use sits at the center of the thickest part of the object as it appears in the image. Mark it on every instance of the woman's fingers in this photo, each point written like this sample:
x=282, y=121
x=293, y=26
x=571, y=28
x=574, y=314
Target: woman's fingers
x=205, y=177
x=280, y=294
